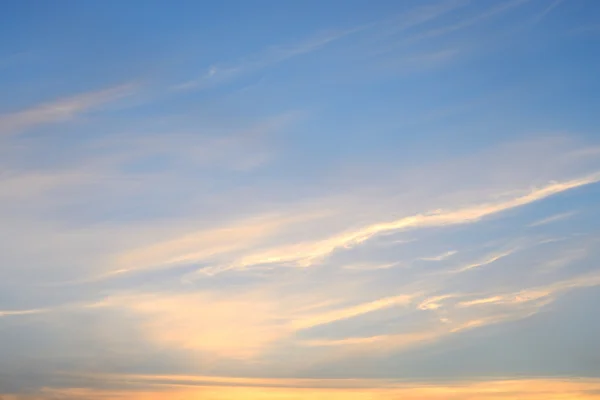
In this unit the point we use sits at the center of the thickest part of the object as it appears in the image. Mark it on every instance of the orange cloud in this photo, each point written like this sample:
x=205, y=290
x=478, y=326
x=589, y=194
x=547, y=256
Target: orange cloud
x=235, y=327
x=529, y=389
x=256, y=242
x=238, y=326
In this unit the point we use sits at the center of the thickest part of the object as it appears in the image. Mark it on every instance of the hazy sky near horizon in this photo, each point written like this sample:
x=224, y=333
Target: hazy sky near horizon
x=299, y=199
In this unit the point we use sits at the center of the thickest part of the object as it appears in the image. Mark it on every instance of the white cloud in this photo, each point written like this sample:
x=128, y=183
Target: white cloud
x=552, y=218
x=440, y=257
x=10, y=313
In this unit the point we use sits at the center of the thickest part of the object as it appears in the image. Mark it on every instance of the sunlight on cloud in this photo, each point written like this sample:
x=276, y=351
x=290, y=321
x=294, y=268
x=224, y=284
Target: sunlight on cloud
x=520, y=297
x=210, y=322
x=201, y=246
x=351, y=312
x=306, y=254
x=214, y=245
x=7, y=313
x=526, y=389
x=489, y=259
x=236, y=327
x=433, y=303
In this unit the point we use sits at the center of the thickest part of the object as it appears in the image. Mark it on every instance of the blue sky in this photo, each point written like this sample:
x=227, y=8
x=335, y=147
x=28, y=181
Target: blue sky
x=339, y=199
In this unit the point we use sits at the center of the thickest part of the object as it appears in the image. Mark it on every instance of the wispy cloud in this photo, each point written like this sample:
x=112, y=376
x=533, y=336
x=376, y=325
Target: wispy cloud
x=520, y=297
x=205, y=322
x=210, y=322
x=420, y=15
x=352, y=311
x=205, y=245
x=271, y=56
x=440, y=257
x=487, y=260
x=467, y=22
x=371, y=266
x=539, y=17
x=61, y=109
x=565, y=259
x=306, y=254
x=433, y=303
x=552, y=218
x=513, y=306
x=269, y=240
x=10, y=313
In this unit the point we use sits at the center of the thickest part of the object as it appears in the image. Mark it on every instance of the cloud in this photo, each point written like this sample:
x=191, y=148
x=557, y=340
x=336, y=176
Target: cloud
x=289, y=310
x=457, y=313
x=565, y=259
x=61, y=109
x=370, y=266
x=119, y=168
x=373, y=345
x=275, y=240
x=513, y=305
x=552, y=218
x=275, y=317
x=350, y=312
x=10, y=313
x=274, y=55
x=214, y=388
x=236, y=327
x=308, y=253
x=417, y=16
x=74, y=207
x=465, y=23
x=433, y=303
x=22, y=186
x=441, y=257
x=269, y=57
x=147, y=245
x=210, y=323
x=520, y=297
x=539, y=17
x=487, y=260
x=205, y=245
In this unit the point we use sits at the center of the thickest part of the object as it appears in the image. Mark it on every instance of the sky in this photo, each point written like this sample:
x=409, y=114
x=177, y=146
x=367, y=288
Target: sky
x=244, y=200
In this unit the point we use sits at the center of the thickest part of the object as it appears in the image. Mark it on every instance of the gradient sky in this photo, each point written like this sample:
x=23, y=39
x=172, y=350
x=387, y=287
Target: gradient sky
x=300, y=199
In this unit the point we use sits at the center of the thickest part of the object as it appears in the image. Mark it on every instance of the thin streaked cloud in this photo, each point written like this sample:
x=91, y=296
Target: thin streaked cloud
x=553, y=218
x=60, y=110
